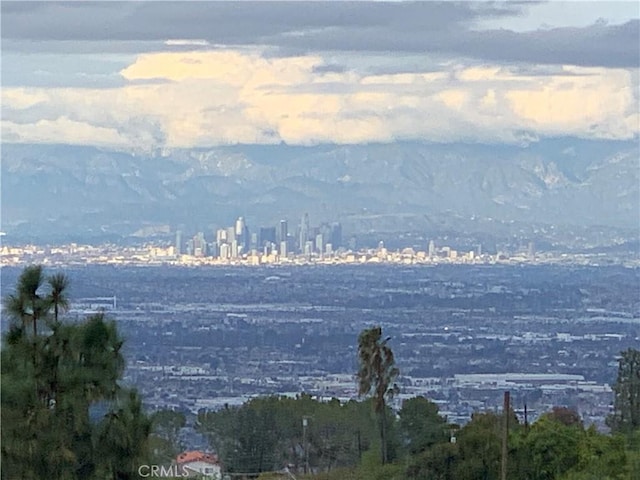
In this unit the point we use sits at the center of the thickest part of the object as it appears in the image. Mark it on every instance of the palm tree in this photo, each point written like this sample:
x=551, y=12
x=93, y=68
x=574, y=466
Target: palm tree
x=376, y=376
x=57, y=298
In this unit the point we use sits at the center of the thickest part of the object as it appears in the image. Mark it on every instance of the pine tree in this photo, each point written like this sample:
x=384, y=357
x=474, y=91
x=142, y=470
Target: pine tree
x=52, y=379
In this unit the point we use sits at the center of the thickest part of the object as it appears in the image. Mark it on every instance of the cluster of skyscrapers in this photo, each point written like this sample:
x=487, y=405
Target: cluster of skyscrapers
x=237, y=240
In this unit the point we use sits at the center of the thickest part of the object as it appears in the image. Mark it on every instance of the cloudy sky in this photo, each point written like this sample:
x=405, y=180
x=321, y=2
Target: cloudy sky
x=152, y=75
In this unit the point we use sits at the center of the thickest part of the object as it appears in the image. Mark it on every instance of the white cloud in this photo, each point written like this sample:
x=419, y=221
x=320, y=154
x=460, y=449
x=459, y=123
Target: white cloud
x=207, y=98
x=22, y=98
x=64, y=130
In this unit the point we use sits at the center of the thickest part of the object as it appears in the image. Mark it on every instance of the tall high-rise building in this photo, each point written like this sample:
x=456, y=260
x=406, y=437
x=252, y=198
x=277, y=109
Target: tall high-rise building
x=246, y=238
x=242, y=233
x=267, y=235
x=304, y=232
x=336, y=234
x=282, y=232
x=432, y=248
x=231, y=235
x=179, y=242
x=319, y=243
x=221, y=236
x=239, y=227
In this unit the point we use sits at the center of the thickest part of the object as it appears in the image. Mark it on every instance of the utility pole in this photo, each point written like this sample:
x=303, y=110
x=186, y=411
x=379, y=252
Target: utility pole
x=505, y=435
x=305, y=422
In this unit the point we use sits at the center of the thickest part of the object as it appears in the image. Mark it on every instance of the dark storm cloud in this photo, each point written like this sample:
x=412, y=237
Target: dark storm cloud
x=219, y=22
x=601, y=45
x=421, y=27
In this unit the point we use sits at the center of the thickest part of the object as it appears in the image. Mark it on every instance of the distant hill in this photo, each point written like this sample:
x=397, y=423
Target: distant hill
x=52, y=189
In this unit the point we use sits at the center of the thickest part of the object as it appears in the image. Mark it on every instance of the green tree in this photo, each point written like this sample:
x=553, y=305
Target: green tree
x=479, y=448
x=376, y=377
x=247, y=437
x=52, y=381
x=600, y=456
x=123, y=437
x=438, y=462
x=421, y=425
x=166, y=426
x=552, y=447
x=28, y=304
x=626, y=406
x=57, y=298
x=266, y=433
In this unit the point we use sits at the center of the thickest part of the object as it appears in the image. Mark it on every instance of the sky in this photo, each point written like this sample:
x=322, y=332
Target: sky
x=144, y=76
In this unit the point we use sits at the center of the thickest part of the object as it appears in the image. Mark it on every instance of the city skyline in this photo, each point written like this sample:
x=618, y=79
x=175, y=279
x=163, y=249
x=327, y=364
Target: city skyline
x=237, y=240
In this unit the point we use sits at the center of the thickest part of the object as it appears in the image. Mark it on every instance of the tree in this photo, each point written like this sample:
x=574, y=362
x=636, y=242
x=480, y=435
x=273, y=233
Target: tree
x=421, y=425
x=27, y=304
x=376, y=377
x=479, y=448
x=247, y=437
x=123, y=436
x=57, y=297
x=166, y=426
x=552, y=447
x=438, y=462
x=54, y=383
x=566, y=416
x=626, y=405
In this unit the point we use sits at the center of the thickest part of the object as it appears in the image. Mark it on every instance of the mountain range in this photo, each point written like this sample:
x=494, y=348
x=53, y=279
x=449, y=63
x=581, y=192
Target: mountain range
x=54, y=190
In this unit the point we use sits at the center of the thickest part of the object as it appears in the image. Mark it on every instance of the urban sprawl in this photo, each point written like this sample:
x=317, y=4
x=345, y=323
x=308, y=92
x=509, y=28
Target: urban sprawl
x=323, y=244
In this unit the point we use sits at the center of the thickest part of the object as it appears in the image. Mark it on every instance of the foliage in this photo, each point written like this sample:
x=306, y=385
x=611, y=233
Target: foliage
x=421, y=426
x=376, y=377
x=55, y=381
x=437, y=462
x=557, y=446
x=267, y=433
x=553, y=448
x=479, y=448
x=164, y=440
x=626, y=406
